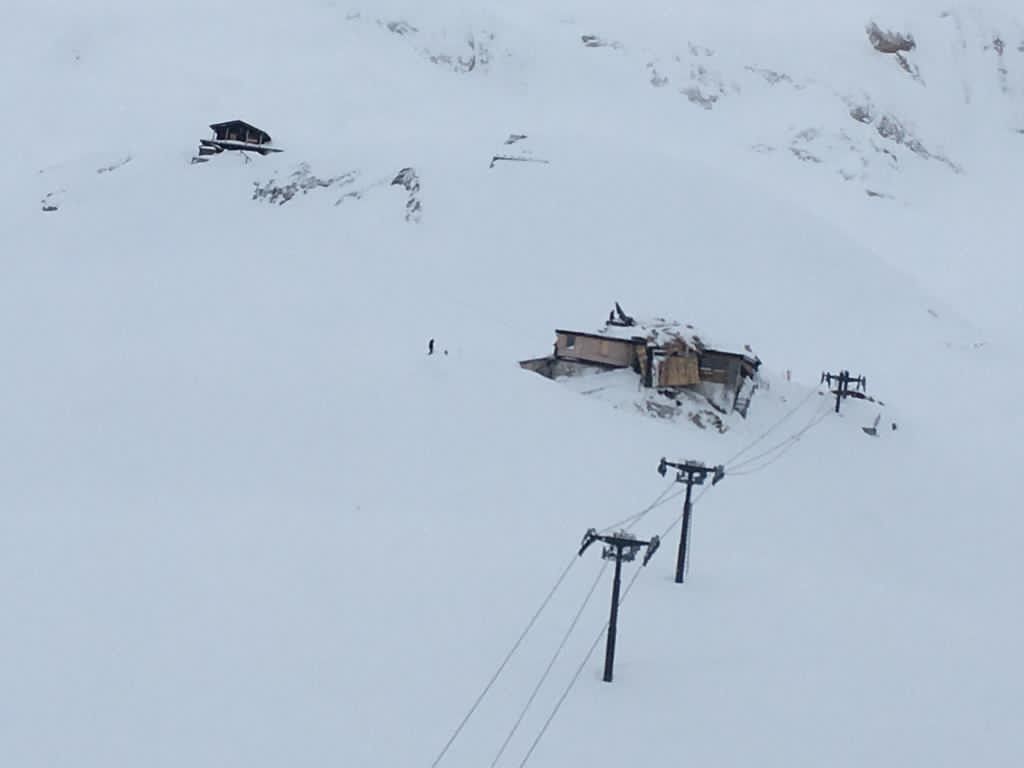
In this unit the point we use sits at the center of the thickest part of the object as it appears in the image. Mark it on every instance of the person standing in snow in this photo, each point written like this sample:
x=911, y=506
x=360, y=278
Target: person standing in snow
x=430, y=347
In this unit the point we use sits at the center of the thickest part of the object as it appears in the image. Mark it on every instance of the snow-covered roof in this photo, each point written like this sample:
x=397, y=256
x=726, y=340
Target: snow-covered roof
x=664, y=332
x=237, y=144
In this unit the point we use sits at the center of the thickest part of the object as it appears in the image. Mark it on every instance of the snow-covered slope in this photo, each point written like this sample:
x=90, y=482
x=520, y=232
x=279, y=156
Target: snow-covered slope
x=245, y=520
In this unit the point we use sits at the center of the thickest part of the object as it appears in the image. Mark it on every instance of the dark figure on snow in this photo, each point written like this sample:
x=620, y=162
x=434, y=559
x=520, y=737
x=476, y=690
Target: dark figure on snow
x=430, y=347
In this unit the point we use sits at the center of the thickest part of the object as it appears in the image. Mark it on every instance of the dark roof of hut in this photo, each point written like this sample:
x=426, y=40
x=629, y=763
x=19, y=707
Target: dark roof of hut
x=242, y=125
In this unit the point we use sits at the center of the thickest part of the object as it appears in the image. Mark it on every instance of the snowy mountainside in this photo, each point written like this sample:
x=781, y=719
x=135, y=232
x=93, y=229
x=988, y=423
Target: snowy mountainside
x=246, y=520
x=794, y=86
x=928, y=135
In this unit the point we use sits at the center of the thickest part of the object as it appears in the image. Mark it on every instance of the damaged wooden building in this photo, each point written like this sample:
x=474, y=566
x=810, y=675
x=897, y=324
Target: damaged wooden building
x=662, y=355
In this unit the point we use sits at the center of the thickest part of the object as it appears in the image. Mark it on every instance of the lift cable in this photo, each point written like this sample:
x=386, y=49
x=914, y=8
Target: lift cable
x=550, y=666
x=504, y=663
x=575, y=677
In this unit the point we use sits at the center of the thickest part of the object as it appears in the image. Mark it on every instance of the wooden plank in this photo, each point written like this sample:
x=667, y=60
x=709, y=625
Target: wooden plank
x=678, y=371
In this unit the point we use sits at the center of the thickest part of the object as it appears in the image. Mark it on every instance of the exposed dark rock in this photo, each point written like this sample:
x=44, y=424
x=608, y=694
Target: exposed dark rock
x=891, y=156
x=495, y=159
x=805, y=137
x=49, y=203
x=479, y=56
x=115, y=165
x=410, y=181
x=593, y=41
x=1001, y=67
x=694, y=94
x=703, y=418
x=772, y=77
x=909, y=68
x=886, y=41
x=661, y=410
x=889, y=42
x=889, y=127
x=862, y=113
x=301, y=180
x=658, y=80
x=401, y=28
x=804, y=155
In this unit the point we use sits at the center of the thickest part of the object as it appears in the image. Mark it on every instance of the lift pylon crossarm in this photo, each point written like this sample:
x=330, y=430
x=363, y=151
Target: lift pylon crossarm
x=622, y=541
x=842, y=382
x=621, y=547
x=652, y=547
x=588, y=538
x=692, y=472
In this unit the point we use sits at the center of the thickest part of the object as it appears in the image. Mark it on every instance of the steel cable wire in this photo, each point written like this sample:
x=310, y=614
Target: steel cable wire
x=504, y=663
x=575, y=677
x=550, y=666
